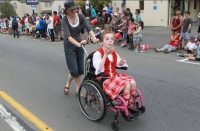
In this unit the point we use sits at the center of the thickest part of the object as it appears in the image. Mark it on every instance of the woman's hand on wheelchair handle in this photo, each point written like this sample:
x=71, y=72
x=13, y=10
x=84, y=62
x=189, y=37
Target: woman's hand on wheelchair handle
x=83, y=42
x=95, y=40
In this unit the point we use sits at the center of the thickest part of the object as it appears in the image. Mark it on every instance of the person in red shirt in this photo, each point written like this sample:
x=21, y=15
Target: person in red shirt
x=56, y=24
x=173, y=44
x=22, y=22
x=176, y=22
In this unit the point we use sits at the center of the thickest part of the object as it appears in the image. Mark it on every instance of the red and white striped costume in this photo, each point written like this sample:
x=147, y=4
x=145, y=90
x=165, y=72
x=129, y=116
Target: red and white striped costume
x=115, y=82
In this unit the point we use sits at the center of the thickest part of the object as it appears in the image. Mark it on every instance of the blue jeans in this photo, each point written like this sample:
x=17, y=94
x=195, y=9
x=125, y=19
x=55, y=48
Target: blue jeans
x=169, y=48
x=186, y=36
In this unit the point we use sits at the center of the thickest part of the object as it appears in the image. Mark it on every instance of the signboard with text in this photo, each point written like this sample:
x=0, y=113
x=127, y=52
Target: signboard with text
x=32, y=2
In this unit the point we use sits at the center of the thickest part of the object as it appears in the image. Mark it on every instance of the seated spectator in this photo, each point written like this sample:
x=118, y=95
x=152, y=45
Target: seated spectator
x=98, y=31
x=191, y=46
x=172, y=46
x=196, y=57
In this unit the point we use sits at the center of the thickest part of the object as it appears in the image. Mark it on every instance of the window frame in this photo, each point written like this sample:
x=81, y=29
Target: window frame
x=47, y=4
x=141, y=4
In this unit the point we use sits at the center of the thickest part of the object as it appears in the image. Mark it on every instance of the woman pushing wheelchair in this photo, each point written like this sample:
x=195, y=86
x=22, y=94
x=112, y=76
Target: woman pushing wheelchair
x=105, y=60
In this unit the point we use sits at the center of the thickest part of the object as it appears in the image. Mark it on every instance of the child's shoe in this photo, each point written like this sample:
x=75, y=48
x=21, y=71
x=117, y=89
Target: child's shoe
x=135, y=50
x=141, y=51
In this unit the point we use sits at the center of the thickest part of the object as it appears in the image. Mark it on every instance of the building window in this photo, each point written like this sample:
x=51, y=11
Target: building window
x=14, y=5
x=141, y=4
x=188, y=5
x=195, y=4
x=47, y=4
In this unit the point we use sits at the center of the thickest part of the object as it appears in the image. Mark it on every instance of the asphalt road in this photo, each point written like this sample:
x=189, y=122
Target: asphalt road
x=34, y=72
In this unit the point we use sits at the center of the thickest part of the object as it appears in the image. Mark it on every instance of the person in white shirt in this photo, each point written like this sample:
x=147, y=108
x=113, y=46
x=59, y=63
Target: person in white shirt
x=191, y=46
x=87, y=7
x=49, y=21
x=105, y=7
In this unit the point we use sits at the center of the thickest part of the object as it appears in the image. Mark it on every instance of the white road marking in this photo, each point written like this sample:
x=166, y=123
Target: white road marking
x=12, y=121
x=187, y=61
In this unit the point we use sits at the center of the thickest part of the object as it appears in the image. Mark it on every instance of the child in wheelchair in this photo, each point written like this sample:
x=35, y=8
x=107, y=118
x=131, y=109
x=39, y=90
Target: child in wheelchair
x=105, y=60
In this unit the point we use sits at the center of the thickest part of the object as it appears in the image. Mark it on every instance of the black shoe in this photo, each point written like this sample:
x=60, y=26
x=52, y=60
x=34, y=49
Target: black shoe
x=130, y=117
x=155, y=49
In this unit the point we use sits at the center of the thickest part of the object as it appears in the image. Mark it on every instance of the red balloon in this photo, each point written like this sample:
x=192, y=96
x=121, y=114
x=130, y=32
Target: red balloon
x=95, y=21
x=117, y=36
x=147, y=47
x=92, y=22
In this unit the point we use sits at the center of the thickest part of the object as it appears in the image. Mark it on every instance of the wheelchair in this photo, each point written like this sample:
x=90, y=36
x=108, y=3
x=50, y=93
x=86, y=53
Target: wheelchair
x=94, y=103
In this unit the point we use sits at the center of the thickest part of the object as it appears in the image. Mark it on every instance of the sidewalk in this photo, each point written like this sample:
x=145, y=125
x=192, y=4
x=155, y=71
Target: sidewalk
x=159, y=36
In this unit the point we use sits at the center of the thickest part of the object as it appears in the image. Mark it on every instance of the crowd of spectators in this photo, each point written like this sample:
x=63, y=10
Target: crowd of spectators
x=43, y=26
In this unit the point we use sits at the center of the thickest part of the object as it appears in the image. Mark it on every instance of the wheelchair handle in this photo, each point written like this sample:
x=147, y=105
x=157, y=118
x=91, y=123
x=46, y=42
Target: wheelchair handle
x=86, y=50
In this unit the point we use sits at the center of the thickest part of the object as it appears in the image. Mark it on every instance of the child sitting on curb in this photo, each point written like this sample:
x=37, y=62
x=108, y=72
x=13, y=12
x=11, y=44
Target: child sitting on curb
x=191, y=46
x=172, y=46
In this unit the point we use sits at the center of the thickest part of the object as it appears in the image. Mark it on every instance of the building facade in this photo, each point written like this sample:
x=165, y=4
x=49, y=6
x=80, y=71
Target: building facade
x=160, y=12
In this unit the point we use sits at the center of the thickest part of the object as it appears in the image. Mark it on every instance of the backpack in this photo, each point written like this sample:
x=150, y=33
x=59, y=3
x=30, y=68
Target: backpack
x=14, y=23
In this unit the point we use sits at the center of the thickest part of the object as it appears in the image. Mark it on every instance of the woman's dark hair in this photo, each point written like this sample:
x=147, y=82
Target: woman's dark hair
x=141, y=24
x=132, y=20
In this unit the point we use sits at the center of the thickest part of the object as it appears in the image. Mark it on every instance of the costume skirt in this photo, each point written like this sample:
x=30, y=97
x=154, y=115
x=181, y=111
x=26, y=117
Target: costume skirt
x=114, y=85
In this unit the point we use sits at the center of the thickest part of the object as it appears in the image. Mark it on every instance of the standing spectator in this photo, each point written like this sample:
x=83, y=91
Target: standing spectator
x=23, y=24
x=60, y=27
x=110, y=9
x=55, y=24
x=131, y=29
x=124, y=30
x=49, y=21
x=15, y=27
x=38, y=28
x=114, y=23
x=117, y=11
x=73, y=42
x=87, y=7
x=139, y=39
x=123, y=5
x=198, y=31
x=138, y=17
x=42, y=27
x=105, y=7
x=107, y=19
x=93, y=13
x=177, y=22
x=129, y=14
x=187, y=25
x=10, y=26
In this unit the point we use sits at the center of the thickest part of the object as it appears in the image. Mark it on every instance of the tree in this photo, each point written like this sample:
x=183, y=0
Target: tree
x=7, y=10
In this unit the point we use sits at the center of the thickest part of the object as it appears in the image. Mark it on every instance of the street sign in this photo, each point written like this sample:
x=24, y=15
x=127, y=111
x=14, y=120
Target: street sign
x=154, y=7
x=33, y=7
x=32, y=2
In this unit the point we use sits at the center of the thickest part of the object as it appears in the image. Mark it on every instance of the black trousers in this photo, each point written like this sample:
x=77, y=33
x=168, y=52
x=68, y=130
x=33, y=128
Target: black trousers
x=15, y=30
x=51, y=33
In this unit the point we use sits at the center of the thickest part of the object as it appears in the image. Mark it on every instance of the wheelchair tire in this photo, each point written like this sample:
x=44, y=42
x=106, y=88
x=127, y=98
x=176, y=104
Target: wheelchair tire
x=92, y=100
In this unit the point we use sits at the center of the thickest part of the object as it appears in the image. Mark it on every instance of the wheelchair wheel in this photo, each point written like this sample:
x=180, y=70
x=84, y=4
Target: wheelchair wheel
x=92, y=100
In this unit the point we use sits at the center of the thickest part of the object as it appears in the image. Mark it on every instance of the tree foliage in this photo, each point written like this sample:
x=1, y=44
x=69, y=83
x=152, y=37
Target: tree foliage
x=7, y=10
x=97, y=4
